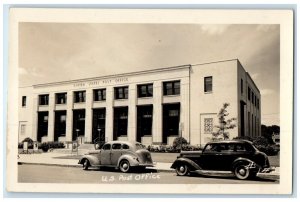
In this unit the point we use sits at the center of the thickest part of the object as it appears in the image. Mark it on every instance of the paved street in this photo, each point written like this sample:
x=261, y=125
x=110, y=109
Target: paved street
x=59, y=174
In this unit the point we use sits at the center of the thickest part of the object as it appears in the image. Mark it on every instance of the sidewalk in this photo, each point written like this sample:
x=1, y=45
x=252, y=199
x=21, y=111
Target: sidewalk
x=57, y=159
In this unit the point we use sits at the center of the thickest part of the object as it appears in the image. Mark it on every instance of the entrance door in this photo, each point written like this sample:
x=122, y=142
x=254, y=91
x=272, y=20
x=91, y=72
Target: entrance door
x=98, y=126
x=171, y=118
x=144, y=122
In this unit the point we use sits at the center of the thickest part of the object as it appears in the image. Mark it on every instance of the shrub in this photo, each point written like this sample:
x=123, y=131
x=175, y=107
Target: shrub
x=264, y=145
x=243, y=138
x=51, y=145
x=179, y=142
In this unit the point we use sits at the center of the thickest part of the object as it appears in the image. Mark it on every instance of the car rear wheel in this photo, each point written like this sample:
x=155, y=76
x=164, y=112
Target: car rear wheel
x=86, y=164
x=124, y=166
x=182, y=170
x=242, y=172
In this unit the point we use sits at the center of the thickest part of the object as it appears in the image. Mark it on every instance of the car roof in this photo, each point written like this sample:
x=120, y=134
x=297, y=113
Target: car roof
x=123, y=142
x=229, y=141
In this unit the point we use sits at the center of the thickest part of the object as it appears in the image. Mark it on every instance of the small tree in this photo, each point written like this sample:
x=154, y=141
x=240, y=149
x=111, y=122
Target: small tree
x=224, y=124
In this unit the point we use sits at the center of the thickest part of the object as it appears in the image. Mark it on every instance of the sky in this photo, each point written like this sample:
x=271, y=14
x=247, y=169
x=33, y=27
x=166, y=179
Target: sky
x=50, y=52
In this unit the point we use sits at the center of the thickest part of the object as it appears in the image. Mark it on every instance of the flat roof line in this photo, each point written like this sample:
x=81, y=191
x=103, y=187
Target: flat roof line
x=215, y=62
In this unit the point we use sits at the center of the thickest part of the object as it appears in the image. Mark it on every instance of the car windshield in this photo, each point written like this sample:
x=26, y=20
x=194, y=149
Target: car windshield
x=139, y=146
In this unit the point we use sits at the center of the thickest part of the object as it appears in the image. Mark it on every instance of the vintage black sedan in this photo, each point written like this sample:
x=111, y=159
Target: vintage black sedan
x=121, y=155
x=236, y=157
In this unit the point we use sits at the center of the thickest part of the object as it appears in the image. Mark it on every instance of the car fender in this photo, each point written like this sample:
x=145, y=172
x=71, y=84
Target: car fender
x=192, y=165
x=252, y=164
x=92, y=159
x=133, y=160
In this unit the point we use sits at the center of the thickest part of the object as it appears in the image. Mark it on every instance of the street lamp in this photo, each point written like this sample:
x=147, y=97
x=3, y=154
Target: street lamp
x=77, y=131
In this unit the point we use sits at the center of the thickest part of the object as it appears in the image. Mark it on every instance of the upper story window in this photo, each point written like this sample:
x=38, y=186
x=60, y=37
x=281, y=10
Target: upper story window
x=249, y=93
x=79, y=96
x=257, y=103
x=255, y=100
x=23, y=101
x=208, y=87
x=171, y=88
x=145, y=90
x=61, y=98
x=44, y=99
x=121, y=92
x=252, y=98
x=99, y=94
x=242, y=86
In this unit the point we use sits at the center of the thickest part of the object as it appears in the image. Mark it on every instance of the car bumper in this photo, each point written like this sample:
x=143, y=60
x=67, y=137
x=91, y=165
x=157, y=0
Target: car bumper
x=267, y=170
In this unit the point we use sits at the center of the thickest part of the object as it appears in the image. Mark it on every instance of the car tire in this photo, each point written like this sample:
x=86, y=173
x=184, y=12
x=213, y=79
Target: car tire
x=242, y=172
x=182, y=169
x=124, y=166
x=86, y=164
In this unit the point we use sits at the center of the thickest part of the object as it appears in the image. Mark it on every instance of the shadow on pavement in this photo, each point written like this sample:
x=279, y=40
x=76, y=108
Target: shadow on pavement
x=134, y=170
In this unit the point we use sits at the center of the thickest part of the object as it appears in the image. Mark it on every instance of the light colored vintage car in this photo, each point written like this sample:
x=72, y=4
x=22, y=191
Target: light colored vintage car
x=121, y=155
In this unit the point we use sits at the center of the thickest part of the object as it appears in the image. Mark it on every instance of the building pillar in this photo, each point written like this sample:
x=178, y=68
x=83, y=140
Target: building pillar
x=132, y=96
x=185, y=108
x=35, y=117
x=109, y=117
x=157, y=113
x=69, y=121
x=88, y=116
x=51, y=104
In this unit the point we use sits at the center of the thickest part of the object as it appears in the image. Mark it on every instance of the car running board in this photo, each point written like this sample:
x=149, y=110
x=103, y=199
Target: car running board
x=214, y=173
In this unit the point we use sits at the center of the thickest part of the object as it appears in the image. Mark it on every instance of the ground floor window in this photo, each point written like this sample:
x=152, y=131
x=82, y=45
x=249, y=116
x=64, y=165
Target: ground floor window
x=171, y=118
x=144, y=121
x=120, y=121
x=42, y=125
x=78, y=123
x=60, y=124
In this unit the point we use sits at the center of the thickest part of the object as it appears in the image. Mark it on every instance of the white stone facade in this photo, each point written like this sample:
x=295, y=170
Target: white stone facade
x=197, y=109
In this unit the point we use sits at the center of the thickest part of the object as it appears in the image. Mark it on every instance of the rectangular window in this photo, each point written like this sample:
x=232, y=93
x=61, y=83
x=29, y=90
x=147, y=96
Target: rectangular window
x=79, y=96
x=249, y=93
x=257, y=103
x=252, y=98
x=255, y=100
x=43, y=99
x=61, y=98
x=171, y=88
x=23, y=101
x=145, y=90
x=99, y=94
x=23, y=129
x=121, y=92
x=208, y=125
x=208, y=84
x=242, y=86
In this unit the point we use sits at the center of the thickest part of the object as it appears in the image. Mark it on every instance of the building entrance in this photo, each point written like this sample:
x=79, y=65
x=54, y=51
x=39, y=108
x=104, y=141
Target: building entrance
x=120, y=122
x=60, y=125
x=144, y=121
x=171, y=118
x=98, y=125
x=78, y=123
x=42, y=125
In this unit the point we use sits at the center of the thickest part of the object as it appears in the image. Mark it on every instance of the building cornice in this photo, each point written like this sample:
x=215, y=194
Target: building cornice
x=114, y=76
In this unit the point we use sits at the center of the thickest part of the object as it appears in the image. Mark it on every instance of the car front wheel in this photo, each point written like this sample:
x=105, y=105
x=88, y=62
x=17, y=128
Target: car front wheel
x=182, y=170
x=86, y=164
x=242, y=172
x=124, y=166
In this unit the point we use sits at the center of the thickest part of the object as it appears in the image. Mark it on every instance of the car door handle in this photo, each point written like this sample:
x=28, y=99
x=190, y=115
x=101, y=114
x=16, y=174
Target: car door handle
x=218, y=154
